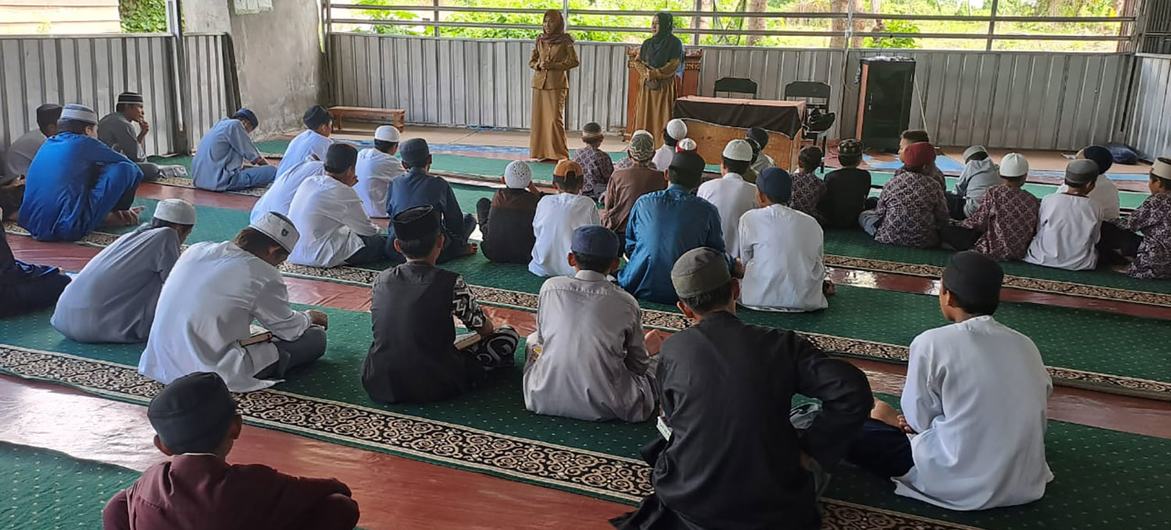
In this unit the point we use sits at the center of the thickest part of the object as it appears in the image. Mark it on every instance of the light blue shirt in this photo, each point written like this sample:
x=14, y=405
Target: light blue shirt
x=221, y=155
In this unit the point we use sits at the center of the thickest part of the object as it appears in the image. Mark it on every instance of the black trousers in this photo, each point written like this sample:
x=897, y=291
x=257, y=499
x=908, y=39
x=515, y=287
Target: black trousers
x=957, y=237
x=1120, y=240
x=955, y=205
x=127, y=199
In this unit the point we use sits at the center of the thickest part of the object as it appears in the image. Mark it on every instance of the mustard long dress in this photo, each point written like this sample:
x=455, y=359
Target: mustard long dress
x=551, y=64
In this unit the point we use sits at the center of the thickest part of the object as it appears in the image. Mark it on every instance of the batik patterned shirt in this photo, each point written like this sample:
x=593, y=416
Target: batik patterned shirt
x=464, y=306
x=597, y=166
x=1008, y=219
x=1153, y=219
x=807, y=193
x=912, y=208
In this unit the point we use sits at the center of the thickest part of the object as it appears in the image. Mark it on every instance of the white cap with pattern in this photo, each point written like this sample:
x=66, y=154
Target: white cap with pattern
x=386, y=133
x=739, y=150
x=1014, y=165
x=518, y=175
x=176, y=211
x=279, y=228
x=677, y=129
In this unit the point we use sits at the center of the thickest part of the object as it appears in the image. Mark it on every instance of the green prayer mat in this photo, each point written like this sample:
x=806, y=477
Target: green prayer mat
x=1104, y=478
x=47, y=489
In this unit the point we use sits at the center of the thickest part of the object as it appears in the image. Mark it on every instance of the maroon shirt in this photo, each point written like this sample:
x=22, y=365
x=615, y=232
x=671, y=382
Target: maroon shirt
x=205, y=492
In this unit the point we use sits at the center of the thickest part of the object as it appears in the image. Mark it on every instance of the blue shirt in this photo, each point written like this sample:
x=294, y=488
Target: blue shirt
x=73, y=183
x=221, y=155
x=417, y=188
x=663, y=225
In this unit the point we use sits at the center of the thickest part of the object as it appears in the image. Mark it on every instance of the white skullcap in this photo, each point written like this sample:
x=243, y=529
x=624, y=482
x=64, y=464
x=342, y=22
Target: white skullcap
x=739, y=150
x=279, y=228
x=81, y=113
x=517, y=175
x=176, y=211
x=686, y=144
x=1014, y=165
x=1162, y=168
x=677, y=129
x=969, y=152
x=642, y=132
x=386, y=133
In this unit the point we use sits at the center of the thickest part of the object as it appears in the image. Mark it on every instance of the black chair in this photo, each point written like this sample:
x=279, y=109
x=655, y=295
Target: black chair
x=738, y=85
x=817, y=119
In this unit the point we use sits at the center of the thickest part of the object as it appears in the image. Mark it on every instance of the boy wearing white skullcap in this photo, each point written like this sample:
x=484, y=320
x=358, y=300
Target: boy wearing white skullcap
x=730, y=193
x=377, y=168
x=506, y=221
x=675, y=132
x=1004, y=224
x=114, y=296
x=1151, y=250
x=214, y=293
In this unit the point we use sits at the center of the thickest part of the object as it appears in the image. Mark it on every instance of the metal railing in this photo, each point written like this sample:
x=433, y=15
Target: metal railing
x=1125, y=38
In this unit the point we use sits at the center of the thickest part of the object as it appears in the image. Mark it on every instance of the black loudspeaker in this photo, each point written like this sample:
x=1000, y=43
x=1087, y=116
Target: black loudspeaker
x=884, y=101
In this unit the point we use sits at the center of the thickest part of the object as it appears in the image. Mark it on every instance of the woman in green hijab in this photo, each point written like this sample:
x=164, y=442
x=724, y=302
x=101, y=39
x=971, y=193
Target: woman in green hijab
x=657, y=63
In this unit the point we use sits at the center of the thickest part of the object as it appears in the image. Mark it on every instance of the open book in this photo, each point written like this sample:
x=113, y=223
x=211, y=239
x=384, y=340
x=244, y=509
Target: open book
x=463, y=342
x=258, y=335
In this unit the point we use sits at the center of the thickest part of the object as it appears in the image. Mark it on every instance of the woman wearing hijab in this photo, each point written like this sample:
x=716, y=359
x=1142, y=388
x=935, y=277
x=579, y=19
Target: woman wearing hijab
x=657, y=62
x=552, y=58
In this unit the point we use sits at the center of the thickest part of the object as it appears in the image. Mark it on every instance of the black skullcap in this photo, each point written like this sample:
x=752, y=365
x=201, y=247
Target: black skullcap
x=340, y=157
x=316, y=116
x=776, y=184
x=416, y=223
x=1101, y=156
x=131, y=98
x=758, y=136
x=850, y=148
x=688, y=165
x=193, y=413
x=594, y=240
x=248, y=115
x=414, y=152
x=974, y=278
x=48, y=114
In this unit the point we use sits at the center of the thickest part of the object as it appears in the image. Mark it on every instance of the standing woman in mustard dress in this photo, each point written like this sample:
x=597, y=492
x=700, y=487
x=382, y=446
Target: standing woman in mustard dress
x=553, y=57
x=657, y=64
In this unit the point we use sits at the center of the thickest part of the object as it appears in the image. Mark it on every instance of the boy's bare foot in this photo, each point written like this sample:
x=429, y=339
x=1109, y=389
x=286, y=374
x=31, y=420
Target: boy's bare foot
x=120, y=218
x=828, y=287
x=885, y=413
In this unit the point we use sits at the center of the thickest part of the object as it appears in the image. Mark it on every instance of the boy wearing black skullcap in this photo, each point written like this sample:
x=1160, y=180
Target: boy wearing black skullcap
x=312, y=143
x=733, y=454
x=1152, y=249
x=974, y=401
x=414, y=357
x=758, y=139
x=125, y=130
x=1069, y=221
x=196, y=424
x=1105, y=192
x=228, y=160
x=846, y=189
x=327, y=209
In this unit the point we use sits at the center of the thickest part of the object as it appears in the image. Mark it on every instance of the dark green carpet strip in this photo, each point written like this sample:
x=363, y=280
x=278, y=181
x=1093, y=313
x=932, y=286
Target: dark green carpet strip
x=45, y=489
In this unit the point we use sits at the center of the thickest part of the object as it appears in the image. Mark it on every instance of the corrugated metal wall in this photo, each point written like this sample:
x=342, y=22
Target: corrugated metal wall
x=999, y=99
x=1149, y=129
x=92, y=70
x=1156, y=20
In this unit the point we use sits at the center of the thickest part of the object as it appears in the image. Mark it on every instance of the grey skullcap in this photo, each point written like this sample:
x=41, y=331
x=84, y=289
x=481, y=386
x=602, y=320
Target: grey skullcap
x=973, y=151
x=81, y=113
x=699, y=271
x=1081, y=172
x=414, y=152
x=974, y=277
x=193, y=413
x=594, y=240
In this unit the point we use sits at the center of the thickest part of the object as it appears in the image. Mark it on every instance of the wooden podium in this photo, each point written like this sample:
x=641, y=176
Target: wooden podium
x=688, y=86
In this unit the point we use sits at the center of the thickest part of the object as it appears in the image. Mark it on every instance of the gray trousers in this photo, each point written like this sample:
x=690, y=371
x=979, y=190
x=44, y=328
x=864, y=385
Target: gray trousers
x=293, y=354
x=149, y=171
x=869, y=221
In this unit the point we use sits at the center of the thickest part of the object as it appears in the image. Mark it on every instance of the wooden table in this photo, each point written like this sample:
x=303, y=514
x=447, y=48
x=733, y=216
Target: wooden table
x=713, y=122
x=395, y=117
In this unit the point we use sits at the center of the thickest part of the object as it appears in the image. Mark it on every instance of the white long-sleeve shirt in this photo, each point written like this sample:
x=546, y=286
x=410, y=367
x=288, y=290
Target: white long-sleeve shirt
x=279, y=195
x=662, y=158
x=1067, y=233
x=976, y=393
x=207, y=306
x=732, y=197
x=309, y=145
x=783, y=254
x=329, y=216
x=375, y=171
x=1105, y=197
x=553, y=225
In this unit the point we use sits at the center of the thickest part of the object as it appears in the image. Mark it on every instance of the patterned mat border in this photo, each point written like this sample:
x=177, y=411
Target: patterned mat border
x=621, y=479
x=669, y=321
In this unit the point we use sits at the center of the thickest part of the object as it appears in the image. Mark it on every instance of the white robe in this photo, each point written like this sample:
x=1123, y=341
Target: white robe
x=279, y=195
x=1105, y=197
x=662, y=158
x=329, y=216
x=306, y=146
x=207, y=306
x=556, y=218
x=732, y=197
x=976, y=393
x=782, y=250
x=375, y=171
x=1066, y=234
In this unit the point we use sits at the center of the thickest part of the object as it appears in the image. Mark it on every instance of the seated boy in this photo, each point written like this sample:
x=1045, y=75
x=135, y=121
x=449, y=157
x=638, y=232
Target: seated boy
x=974, y=401
x=221, y=161
x=19, y=155
x=196, y=424
x=1105, y=192
x=587, y=360
x=203, y=322
x=24, y=287
x=414, y=357
x=1068, y=223
x=556, y=218
x=730, y=456
x=782, y=251
x=377, y=168
x=311, y=143
x=78, y=182
x=114, y=296
x=912, y=207
x=595, y=163
x=731, y=195
x=846, y=189
x=507, y=220
x=919, y=136
x=628, y=184
x=979, y=175
x=808, y=189
x=417, y=188
x=328, y=211
x=1004, y=224
x=125, y=130
x=1151, y=250
x=279, y=196
x=675, y=132
x=758, y=138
